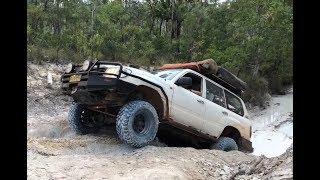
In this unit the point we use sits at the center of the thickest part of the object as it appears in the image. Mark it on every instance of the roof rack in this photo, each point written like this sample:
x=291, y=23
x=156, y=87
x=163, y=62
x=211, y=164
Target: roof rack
x=224, y=84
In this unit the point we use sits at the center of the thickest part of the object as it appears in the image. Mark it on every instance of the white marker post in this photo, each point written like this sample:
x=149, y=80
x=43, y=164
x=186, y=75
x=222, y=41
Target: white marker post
x=49, y=80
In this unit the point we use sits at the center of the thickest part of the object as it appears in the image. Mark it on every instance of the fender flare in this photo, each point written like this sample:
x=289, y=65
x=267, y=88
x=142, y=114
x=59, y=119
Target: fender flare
x=166, y=109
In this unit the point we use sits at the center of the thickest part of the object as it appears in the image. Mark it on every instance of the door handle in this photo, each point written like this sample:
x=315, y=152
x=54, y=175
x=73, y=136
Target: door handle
x=225, y=113
x=200, y=101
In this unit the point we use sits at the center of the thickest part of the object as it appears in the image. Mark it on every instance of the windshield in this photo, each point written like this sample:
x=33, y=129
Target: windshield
x=168, y=74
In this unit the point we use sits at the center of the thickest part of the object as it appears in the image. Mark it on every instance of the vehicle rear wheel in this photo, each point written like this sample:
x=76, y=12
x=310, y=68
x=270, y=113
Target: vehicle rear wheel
x=225, y=144
x=137, y=123
x=81, y=119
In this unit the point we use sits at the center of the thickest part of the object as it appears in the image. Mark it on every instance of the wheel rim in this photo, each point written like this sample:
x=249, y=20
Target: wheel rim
x=141, y=122
x=87, y=119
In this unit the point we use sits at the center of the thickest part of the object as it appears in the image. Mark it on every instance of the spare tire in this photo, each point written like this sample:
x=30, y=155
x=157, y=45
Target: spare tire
x=137, y=123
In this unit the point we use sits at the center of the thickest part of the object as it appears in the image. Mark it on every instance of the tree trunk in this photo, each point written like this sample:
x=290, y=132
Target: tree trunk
x=92, y=52
x=113, y=56
x=92, y=18
x=172, y=20
x=256, y=68
x=45, y=7
x=96, y=56
x=57, y=53
x=173, y=29
x=57, y=23
x=238, y=73
x=151, y=25
x=178, y=29
x=166, y=27
x=161, y=21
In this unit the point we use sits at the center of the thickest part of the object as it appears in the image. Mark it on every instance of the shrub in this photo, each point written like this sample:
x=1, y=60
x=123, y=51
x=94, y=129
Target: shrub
x=257, y=91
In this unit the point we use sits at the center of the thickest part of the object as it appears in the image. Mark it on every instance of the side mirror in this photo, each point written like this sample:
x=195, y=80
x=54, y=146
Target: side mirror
x=184, y=82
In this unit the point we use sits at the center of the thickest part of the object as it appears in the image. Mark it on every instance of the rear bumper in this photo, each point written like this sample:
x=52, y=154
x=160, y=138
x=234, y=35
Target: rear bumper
x=246, y=145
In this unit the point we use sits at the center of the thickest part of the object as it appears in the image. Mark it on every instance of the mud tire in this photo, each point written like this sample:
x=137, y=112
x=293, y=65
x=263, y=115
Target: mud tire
x=128, y=118
x=78, y=117
x=225, y=144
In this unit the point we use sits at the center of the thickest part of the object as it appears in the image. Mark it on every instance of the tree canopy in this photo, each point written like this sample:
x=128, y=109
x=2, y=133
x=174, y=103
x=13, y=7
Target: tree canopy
x=253, y=39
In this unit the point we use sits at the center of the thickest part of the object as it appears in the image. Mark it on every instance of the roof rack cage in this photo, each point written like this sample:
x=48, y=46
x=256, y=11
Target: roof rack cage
x=224, y=84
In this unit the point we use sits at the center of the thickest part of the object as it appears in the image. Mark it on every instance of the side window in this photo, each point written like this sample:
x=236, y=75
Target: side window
x=234, y=104
x=196, y=86
x=215, y=94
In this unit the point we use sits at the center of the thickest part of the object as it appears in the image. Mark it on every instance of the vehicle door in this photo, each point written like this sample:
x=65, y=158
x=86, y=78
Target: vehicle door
x=188, y=107
x=235, y=110
x=215, y=109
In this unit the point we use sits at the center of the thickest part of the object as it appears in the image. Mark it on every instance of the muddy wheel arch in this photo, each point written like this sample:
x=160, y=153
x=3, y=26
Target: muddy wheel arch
x=151, y=95
x=231, y=132
x=242, y=141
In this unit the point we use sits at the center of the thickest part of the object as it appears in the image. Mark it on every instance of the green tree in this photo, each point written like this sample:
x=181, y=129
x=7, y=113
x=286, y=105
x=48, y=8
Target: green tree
x=253, y=39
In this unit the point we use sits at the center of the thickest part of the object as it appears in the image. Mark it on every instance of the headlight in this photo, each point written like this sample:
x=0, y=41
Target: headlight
x=86, y=65
x=112, y=71
x=69, y=68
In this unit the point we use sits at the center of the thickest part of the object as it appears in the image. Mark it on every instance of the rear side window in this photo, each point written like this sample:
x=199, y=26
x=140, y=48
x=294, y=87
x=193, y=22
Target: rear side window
x=214, y=93
x=234, y=104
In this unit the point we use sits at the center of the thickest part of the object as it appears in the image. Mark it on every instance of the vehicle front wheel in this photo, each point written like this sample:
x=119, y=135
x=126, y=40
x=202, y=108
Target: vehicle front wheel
x=225, y=144
x=81, y=119
x=137, y=123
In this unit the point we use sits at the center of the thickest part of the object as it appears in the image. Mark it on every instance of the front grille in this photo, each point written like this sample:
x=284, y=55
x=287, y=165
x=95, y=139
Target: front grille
x=96, y=68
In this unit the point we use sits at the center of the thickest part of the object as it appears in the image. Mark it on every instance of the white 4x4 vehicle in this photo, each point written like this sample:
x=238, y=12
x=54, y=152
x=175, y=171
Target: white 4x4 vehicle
x=142, y=105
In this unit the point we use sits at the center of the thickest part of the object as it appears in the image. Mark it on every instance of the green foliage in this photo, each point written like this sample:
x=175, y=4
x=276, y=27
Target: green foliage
x=257, y=91
x=253, y=39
